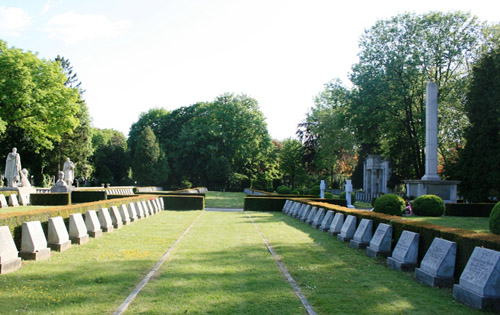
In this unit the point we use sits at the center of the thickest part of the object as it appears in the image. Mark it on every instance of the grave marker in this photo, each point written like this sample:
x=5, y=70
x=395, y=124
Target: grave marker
x=318, y=218
x=13, y=201
x=132, y=213
x=438, y=265
x=337, y=223
x=306, y=209
x=327, y=221
x=33, y=242
x=92, y=224
x=57, y=236
x=380, y=244
x=105, y=220
x=24, y=199
x=311, y=215
x=9, y=261
x=145, y=208
x=348, y=229
x=116, y=218
x=140, y=210
x=77, y=229
x=285, y=206
x=124, y=214
x=3, y=201
x=363, y=234
x=405, y=254
x=479, y=285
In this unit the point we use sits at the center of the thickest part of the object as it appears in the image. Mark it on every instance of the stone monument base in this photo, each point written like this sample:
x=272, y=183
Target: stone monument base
x=433, y=281
x=61, y=189
x=80, y=240
x=60, y=247
x=10, y=266
x=474, y=300
x=108, y=229
x=370, y=252
x=446, y=189
x=95, y=234
x=399, y=265
x=358, y=245
x=40, y=255
x=343, y=238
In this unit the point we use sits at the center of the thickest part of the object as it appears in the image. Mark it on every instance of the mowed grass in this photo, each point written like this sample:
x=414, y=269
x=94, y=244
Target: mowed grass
x=21, y=209
x=216, y=199
x=476, y=224
x=95, y=277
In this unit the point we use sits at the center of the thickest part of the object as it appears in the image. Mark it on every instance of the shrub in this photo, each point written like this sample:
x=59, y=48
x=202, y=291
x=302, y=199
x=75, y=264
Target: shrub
x=495, y=219
x=263, y=204
x=88, y=196
x=353, y=196
x=52, y=199
x=296, y=191
x=186, y=202
x=283, y=190
x=389, y=204
x=328, y=195
x=428, y=205
x=270, y=189
x=315, y=190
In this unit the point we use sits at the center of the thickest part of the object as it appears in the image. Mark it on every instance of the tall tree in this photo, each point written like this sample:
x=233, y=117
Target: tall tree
x=110, y=159
x=291, y=160
x=149, y=165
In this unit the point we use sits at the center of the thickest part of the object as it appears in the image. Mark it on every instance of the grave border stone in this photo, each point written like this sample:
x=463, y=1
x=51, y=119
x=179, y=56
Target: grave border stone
x=348, y=229
x=57, y=235
x=36, y=252
x=77, y=229
x=363, y=235
x=383, y=246
x=9, y=260
x=438, y=265
x=404, y=256
x=336, y=225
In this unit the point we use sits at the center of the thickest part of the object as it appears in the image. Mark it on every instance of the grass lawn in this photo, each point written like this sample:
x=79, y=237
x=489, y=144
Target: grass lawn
x=476, y=224
x=216, y=199
x=21, y=209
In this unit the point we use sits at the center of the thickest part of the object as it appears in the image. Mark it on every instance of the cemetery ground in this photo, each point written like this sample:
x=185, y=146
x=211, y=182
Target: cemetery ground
x=221, y=266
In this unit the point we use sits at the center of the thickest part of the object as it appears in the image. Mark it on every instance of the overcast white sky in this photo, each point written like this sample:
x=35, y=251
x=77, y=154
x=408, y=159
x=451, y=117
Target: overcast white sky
x=132, y=56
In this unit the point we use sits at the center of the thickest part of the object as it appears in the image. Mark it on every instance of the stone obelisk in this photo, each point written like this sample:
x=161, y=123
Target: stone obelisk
x=431, y=132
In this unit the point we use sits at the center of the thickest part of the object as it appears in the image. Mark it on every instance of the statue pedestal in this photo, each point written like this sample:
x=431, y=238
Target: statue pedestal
x=446, y=189
x=61, y=189
x=20, y=190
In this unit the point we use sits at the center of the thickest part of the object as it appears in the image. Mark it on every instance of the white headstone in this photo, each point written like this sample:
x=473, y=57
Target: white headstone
x=327, y=220
x=380, y=244
x=348, y=190
x=24, y=199
x=337, y=223
x=33, y=242
x=348, y=229
x=57, y=236
x=9, y=261
x=285, y=206
x=77, y=229
x=306, y=209
x=318, y=218
x=132, y=212
x=13, y=200
x=311, y=215
x=116, y=217
x=438, y=266
x=124, y=214
x=322, y=187
x=363, y=234
x=140, y=210
x=105, y=220
x=405, y=254
x=3, y=201
x=145, y=208
x=92, y=224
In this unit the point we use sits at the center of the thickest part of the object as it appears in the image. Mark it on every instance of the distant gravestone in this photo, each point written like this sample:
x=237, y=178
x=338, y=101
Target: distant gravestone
x=327, y=220
x=380, y=244
x=132, y=212
x=348, y=229
x=57, y=236
x=105, y=220
x=311, y=215
x=13, y=200
x=363, y=234
x=405, y=254
x=77, y=229
x=162, y=203
x=9, y=261
x=24, y=199
x=337, y=223
x=438, y=265
x=92, y=224
x=3, y=201
x=479, y=285
x=150, y=206
x=145, y=208
x=294, y=209
x=33, y=242
x=285, y=206
x=124, y=214
x=140, y=210
x=318, y=218
x=306, y=209
x=298, y=209
x=116, y=218
x=154, y=205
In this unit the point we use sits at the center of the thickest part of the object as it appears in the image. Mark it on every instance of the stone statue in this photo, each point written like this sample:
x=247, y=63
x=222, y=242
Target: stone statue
x=69, y=172
x=12, y=168
x=60, y=180
x=24, y=178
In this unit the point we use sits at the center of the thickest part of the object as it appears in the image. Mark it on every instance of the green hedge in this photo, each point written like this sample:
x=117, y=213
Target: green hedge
x=168, y=193
x=284, y=196
x=50, y=199
x=495, y=219
x=333, y=201
x=468, y=209
x=82, y=196
x=263, y=204
x=428, y=206
x=184, y=202
x=7, y=193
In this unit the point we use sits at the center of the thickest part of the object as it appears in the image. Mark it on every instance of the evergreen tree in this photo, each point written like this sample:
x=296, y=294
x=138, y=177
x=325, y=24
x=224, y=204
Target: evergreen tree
x=149, y=166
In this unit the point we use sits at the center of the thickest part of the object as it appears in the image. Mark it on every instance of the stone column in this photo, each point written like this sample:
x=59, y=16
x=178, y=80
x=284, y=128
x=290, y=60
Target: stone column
x=431, y=132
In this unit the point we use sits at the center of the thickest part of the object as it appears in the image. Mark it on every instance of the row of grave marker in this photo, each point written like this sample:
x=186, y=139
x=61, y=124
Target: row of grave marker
x=479, y=284
x=34, y=245
x=121, y=191
x=13, y=201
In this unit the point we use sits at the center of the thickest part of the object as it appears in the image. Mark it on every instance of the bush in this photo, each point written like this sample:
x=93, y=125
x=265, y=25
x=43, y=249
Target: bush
x=315, y=190
x=263, y=204
x=52, y=199
x=186, y=202
x=88, y=196
x=328, y=195
x=428, y=206
x=389, y=204
x=270, y=189
x=495, y=219
x=283, y=190
x=296, y=191
x=353, y=196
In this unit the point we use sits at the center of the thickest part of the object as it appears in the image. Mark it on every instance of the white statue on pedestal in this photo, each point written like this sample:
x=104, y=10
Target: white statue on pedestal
x=24, y=178
x=69, y=172
x=13, y=168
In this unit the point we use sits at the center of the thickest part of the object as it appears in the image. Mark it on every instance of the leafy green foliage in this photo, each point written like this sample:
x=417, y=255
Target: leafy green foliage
x=291, y=161
x=495, y=219
x=428, y=205
x=110, y=160
x=149, y=165
x=283, y=190
x=353, y=196
x=389, y=204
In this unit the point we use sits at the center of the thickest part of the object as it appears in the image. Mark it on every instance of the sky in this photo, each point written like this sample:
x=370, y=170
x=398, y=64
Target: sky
x=132, y=56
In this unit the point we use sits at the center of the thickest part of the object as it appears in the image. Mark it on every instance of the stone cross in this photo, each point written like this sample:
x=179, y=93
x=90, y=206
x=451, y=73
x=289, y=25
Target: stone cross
x=322, y=189
x=348, y=190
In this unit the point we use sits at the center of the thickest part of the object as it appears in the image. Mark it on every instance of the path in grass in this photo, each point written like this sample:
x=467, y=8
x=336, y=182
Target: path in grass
x=221, y=267
x=216, y=199
x=95, y=277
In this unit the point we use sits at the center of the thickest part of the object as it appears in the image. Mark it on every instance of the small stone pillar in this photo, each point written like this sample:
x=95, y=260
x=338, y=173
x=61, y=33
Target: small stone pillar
x=348, y=190
x=322, y=189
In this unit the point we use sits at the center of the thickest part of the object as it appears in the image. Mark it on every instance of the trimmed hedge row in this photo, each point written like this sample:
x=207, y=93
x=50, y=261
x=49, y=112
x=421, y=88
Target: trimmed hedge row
x=284, y=196
x=184, y=202
x=466, y=240
x=52, y=199
x=264, y=204
x=168, y=193
x=468, y=209
x=82, y=196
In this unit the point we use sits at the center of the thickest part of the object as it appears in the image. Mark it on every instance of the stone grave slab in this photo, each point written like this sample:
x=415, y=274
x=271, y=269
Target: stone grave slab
x=132, y=212
x=363, y=234
x=405, y=254
x=150, y=206
x=33, y=242
x=348, y=229
x=380, y=244
x=105, y=220
x=24, y=199
x=57, y=236
x=162, y=203
x=3, y=201
x=306, y=209
x=9, y=260
x=438, y=265
x=140, y=210
x=145, y=208
x=124, y=214
x=116, y=218
x=294, y=209
x=301, y=207
x=155, y=206
x=318, y=218
x=311, y=215
x=13, y=200
x=479, y=285
x=327, y=220
x=285, y=206
x=92, y=224
x=337, y=223
x=77, y=229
